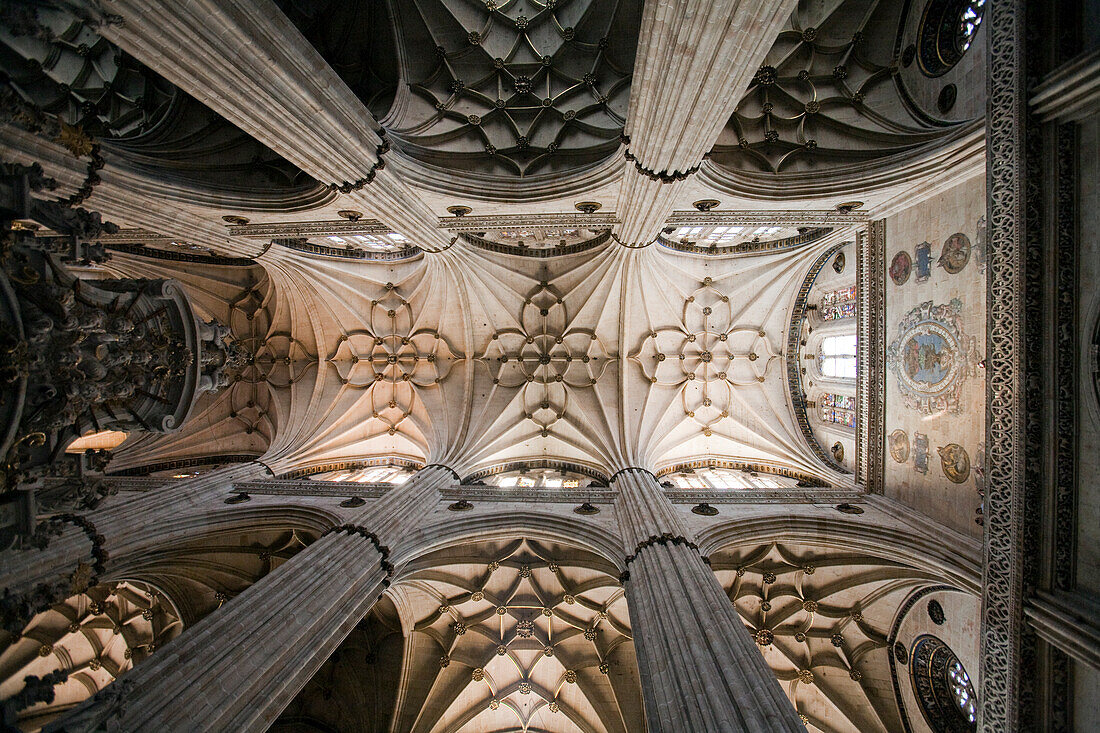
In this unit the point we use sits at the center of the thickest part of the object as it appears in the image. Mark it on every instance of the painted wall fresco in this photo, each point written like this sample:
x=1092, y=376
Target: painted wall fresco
x=935, y=347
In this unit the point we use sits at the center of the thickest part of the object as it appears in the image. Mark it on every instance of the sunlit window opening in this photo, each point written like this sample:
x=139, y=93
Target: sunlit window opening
x=837, y=356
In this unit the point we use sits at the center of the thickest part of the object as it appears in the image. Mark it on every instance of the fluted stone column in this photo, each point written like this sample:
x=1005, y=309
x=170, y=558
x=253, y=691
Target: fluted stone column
x=127, y=524
x=245, y=60
x=700, y=669
x=695, y=60
x=239, y=667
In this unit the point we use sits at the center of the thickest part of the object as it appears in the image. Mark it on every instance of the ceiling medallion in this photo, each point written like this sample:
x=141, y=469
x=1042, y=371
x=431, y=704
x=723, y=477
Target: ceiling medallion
x=588, y=207
x=849, y=206
x=706, y=204
x=459, y=210
x=350, y=214
x=234, y=220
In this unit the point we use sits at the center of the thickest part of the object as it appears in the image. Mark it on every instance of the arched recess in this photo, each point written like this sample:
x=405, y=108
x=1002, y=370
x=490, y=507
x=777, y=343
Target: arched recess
x=503, y=634
x=79, y=646
x=830, y=323
x=148, y=598
x=516, y=633
x=825, y=618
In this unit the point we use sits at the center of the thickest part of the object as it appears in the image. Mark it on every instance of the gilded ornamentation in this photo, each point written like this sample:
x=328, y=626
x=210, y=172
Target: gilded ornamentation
x=955, y=462
x=899, y=446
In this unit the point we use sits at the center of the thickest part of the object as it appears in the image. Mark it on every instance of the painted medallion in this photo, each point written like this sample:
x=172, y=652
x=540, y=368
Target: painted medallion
x=900, y=267
x=899, y=446
x=955, y=254
x=931, y=357
x=955, y=462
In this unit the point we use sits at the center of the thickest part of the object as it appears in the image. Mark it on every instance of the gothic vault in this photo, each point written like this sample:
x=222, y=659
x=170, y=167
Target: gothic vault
x=555, y=366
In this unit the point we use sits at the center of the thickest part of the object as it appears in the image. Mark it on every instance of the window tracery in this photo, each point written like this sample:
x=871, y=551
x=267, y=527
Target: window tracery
x=839, y=409
x=946, y=32
x=837, y=356
x=838, y=304
x=942, y=687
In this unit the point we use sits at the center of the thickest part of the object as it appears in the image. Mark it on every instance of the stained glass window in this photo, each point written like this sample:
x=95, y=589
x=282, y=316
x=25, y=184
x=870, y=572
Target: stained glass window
x=837, y=304
x=839, y=409
x=837, y=356
x=969, y=20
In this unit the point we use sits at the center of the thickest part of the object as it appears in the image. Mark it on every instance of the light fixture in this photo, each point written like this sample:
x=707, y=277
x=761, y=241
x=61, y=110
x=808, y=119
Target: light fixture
x=350, y=214
x=588, y=207
x=706, y=204
x=459, y=210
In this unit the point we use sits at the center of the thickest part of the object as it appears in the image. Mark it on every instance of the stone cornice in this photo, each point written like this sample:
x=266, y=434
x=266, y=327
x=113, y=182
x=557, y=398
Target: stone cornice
x=306, y=487
x=507, y=221
x=779, y=217
x=766, y=496
x=538, y=496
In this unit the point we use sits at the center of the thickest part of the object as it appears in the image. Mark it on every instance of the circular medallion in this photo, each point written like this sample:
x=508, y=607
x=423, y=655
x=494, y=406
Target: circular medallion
x=900, y=267
x=955, y=253
x=955, y=462
x=927, y=356
x=899, y=446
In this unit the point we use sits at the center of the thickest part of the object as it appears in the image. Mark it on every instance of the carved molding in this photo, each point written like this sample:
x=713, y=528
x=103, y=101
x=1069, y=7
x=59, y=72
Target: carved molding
x=766, y=496
x=307, y=487
x=539, y=496
x=508, y=221
x=1070, y=93
x=1003, y=682
x=310, y=228
x=871, y=378
x=782, y=217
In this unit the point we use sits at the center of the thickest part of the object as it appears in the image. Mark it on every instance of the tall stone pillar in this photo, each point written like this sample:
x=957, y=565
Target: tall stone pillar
x=239, y=667
x=81, y=547
x=700, y=668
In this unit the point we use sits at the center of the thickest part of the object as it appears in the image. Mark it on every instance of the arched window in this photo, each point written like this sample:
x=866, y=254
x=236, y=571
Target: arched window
x=942, y=686
x=946, y=32
x=839, y=409
x=837, y=356
x=837, y=304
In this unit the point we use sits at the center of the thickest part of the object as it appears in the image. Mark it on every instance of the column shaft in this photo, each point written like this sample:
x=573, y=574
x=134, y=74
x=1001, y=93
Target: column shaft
x=126, y=524
x=239, y=667
x=284, y=94
x=695, y=60
x=700, y=668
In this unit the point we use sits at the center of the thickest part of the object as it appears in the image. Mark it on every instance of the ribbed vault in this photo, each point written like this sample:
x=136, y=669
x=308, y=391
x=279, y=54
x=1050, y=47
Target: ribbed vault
x=822, y=619
x=516, y=635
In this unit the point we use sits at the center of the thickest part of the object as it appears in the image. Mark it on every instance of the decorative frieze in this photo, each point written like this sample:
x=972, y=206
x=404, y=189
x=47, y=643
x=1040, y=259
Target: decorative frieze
x=779, y=217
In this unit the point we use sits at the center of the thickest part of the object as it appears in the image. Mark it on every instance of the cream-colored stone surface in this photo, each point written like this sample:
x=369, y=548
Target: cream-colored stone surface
x=958, y=422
